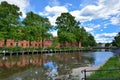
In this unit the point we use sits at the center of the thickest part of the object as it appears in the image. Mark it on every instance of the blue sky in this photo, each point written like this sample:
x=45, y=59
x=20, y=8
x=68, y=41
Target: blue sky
x=101, y=18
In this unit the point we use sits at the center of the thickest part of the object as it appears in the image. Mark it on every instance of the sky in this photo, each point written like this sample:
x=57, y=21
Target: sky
x=101, y=18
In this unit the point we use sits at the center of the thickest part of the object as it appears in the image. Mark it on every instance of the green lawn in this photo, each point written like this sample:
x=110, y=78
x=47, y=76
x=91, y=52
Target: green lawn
x=112, y=63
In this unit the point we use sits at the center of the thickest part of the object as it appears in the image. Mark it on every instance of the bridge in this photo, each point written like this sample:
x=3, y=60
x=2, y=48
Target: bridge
x=105, y=48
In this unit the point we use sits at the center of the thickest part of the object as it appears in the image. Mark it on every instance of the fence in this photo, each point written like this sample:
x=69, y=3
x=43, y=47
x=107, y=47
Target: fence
x=85, y=74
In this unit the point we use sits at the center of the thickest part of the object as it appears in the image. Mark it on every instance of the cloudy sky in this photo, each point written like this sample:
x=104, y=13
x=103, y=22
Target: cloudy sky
x=99, y=17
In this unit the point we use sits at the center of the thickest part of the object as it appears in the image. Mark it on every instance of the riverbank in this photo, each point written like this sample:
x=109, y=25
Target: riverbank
x=78, y=72
x=110, y=70
x=111, y=67
x=43, y=51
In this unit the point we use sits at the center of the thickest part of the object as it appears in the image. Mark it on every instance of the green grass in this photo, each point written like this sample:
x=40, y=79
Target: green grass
x=112, y=63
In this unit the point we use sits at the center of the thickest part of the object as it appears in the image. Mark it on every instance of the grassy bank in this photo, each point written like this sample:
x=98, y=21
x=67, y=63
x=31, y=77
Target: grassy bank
x=112, y=63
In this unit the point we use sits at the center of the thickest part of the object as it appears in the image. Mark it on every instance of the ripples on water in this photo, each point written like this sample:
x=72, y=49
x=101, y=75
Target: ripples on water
x=48, y=66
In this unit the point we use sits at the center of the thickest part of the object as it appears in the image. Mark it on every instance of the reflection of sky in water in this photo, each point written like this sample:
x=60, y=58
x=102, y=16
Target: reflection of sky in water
x=52, y=66
x=101, y=57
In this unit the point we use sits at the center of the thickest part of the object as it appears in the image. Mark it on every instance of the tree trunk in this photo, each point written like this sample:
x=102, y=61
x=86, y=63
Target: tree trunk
x=5, y=42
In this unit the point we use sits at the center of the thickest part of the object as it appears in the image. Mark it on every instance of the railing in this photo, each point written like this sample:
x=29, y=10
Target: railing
x=85, y=74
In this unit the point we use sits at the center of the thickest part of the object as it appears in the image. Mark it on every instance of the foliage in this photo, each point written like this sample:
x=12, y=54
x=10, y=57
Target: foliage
x=116, y=41
x=91, y=40
x=9, y=20
x=65, y=25
x=12, y=49
x=35, y=27
x=69, y=30
x=32, y=28
x=55, y=42
x=107, y=44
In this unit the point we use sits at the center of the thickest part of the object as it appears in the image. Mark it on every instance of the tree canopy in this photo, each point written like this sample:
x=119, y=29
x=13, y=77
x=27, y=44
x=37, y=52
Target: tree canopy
x=116, y=41
x=32, y=28
x=9, y=20
x=35, y=27
x=69, y=30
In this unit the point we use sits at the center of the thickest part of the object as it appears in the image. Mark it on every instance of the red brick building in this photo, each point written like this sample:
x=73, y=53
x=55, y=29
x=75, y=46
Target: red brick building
x=24, y=44
x=48, y=42
x=1, y=43
x=10, y=43
x=35, y=44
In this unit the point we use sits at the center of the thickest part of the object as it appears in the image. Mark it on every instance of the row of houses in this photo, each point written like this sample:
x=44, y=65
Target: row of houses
x=33, y=44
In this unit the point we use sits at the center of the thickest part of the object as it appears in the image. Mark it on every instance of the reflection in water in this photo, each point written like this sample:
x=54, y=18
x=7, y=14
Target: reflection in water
x=48, y=66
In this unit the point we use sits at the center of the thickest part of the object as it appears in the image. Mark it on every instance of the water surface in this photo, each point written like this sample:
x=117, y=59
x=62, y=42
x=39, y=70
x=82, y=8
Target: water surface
x=48, y=66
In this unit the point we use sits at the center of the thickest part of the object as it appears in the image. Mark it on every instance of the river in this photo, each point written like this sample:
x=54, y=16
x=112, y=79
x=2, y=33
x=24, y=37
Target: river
x=49, y=66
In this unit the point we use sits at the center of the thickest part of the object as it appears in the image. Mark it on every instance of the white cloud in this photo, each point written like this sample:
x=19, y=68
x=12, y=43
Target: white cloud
x=105, y=37
x=54, y=3
x=56, y=10
x=104, y=9
x=53, y=12
x=90, y=27
x=115, y=20
x=54, y=33
x=22, y=4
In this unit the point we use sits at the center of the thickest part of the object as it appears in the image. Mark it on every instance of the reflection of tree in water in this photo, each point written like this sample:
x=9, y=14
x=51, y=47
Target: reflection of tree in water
x=15, y=64
x=66, y=62
x=29, y=64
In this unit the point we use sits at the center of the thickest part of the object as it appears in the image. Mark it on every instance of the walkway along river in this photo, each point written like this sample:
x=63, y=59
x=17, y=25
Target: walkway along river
x=50, y=66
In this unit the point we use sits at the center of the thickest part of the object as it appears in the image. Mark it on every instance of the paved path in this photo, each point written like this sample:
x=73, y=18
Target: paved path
x=76, y=73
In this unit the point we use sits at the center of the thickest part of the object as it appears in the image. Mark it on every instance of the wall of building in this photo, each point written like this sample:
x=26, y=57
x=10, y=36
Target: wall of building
x=67, y=44
x=1, y=43
x=36, y=44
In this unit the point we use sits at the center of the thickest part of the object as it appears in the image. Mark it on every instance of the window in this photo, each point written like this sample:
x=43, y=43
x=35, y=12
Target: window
x=22, y=44
x=11, y=44
x=16, y=44
x=35, y=44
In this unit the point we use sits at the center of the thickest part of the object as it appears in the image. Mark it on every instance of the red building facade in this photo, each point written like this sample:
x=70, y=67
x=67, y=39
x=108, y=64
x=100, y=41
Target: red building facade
x=36, y=44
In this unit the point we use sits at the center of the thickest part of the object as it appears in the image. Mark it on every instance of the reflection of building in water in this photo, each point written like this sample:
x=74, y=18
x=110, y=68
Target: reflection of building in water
x=1, y=64
x=39, y=60
x=63, y=64
x=23, y=61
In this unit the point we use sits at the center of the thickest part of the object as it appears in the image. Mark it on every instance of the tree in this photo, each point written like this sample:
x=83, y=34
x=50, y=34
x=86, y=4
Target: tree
x=65, y=25
x=91, y=40
x=116, y=41
x=66, y=22
x=32, y=19
x=69, y=30
x=9, y=19
x=37, y=27
x=81, y=35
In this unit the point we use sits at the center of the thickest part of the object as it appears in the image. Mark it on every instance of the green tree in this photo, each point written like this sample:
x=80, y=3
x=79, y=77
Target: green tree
x=81, y=35
x=116, y=41
x=69, y=30
x=9, y=19
x=91, y=40
x=65, y=26
x=37, y=27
